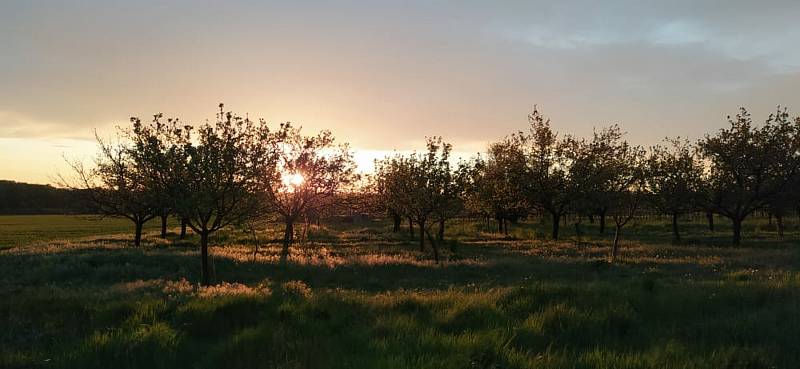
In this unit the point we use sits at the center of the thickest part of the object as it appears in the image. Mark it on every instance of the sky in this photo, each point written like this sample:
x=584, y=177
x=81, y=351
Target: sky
x=383, y=75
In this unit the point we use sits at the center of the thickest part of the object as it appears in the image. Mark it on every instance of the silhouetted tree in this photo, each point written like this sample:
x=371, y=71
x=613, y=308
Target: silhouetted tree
x=495, y=185
x=309, y=171
x=749, y=165
x=549, y=186
x=116, y=186
x=220, y=175
x=424, y=187
x=160, y=162
x=674, y=177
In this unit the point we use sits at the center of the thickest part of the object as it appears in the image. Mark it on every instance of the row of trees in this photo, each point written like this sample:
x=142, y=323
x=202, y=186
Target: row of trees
x=235, y=172
x=739, y=170
x=232, y=172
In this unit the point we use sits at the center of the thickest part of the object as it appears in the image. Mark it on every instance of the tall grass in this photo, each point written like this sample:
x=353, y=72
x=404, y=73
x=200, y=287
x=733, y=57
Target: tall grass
x=354, y=297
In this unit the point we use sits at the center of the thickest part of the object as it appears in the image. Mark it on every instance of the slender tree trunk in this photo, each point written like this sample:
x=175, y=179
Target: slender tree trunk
x=288, y=237
x=505, y=227
x=183, y=228
x=137, y=237
x=779, y=222
x=396, y=219
x=710, y=218
x=602, y=222
x=434, y=246
x=488, y=224
x=615, y=248
x=500, y=225
x=737, y=231
x=676, y=236
x=421, y=235
x=164, y=226
x=440, y=236
x=205, y=278
x=410, y=227
x=578, y=232
x=556, y=224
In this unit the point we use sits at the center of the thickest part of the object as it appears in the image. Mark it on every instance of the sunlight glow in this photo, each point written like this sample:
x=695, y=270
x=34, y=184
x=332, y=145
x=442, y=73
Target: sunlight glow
x=293, y=179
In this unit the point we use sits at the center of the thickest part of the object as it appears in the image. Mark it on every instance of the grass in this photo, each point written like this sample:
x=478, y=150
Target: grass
x=358, y=296
x=16, y=230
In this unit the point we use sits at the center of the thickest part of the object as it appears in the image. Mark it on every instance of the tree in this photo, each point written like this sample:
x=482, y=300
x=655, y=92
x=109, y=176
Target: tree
x=159, y=161
x=674, y=178
x=494, y=187
x=607, y=172
x=384, y=184
x=423, y=187
x=549, y=186
x=750, y=165
x=309, y=171
x=221, y=169
x=116, y=186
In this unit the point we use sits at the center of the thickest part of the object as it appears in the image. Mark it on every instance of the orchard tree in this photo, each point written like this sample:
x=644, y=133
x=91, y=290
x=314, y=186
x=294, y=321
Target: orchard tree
x=674, y=177
x=591, y=167
x=116, y=186
x=494, y=186
x=221, y=169
x=387, y=186
x=548, y=184
x=608, y=175
x=160, y=162
x=309, y=171
x=749, y=166
x=424, y=188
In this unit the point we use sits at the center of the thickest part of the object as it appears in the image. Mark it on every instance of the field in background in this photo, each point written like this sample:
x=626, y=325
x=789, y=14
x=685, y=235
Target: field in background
x=358, y=296
x=16, y=230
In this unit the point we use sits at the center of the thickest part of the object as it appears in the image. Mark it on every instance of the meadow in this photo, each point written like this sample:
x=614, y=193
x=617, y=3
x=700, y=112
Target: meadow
x=19, y=230
x=356, y=295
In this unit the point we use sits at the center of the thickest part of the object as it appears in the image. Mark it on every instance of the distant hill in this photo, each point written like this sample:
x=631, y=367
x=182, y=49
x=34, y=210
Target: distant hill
x=25, y=198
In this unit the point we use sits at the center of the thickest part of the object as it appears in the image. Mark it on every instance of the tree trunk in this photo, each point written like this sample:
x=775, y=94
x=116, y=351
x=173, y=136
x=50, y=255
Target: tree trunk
x=710, y=218
x=137, y=237
x=288, y=238
x=676, y=236
x=410, y=227
x=183, y=228
x=396, y=219
x=779, y=222
x=615, y=248
x=737, y=231
x=505, y=227
x=591, y=218
x=602, y=222
x=440, y=236
x=556, y=224
x=435, y=248
x=205, y=278
x=164, y=226
x=421, y=235
x=500, y=225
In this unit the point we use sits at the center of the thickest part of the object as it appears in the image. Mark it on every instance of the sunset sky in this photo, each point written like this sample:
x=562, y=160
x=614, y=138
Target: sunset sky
x=383, y=75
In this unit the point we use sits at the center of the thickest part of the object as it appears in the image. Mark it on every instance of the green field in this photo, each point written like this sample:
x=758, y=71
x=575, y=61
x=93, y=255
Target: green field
x=359, y=296
x=16, y=230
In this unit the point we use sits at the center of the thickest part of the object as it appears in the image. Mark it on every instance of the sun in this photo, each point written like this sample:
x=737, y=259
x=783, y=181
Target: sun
x=293, y=179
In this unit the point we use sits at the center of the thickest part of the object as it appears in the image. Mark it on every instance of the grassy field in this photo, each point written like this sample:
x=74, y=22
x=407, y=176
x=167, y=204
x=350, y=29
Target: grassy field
x=358, y=296
x=16, y=230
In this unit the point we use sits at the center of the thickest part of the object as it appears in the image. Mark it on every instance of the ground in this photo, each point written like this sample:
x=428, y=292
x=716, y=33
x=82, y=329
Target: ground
x=358, y=296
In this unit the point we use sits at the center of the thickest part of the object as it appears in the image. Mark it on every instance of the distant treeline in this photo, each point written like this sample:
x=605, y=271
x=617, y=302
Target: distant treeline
x=25, y=198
